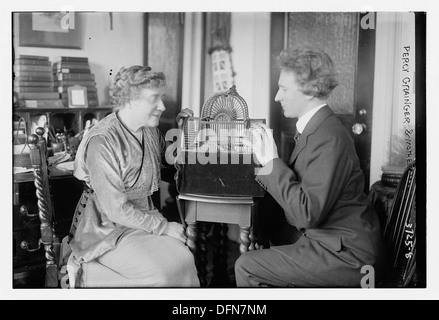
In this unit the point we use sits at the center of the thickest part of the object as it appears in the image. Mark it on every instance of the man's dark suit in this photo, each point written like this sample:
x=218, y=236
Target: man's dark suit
x=321, y=193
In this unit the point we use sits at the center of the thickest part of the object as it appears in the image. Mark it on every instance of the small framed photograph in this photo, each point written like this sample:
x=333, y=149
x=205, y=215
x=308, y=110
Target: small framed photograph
x=77, y=96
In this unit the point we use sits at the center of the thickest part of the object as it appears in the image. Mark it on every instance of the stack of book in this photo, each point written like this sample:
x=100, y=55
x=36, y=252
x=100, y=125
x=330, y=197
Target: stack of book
x=70, y=71
x=33, y=83
x=391, y=175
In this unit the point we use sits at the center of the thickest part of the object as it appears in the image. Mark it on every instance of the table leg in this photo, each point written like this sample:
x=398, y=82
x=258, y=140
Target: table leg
x=191, y=242
x=244, y=237
x=202, y=253
x=191, y=233
x=220, y=243
x=252, y=240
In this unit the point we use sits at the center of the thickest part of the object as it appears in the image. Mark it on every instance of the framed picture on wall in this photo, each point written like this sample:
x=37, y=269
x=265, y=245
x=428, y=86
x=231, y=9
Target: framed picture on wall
x=48, y=29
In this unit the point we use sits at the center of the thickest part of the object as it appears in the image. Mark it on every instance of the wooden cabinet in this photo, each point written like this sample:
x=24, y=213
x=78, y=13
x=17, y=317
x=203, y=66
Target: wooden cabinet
x=28, y=254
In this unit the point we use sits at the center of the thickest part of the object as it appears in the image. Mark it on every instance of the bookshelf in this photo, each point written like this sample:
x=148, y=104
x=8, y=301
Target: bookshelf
x=41, y=89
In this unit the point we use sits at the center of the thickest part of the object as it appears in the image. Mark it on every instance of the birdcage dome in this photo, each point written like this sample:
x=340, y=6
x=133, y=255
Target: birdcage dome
x=225, y=106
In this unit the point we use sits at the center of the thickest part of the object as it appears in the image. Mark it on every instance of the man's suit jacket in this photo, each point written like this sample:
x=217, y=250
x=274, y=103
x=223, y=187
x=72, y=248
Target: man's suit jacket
x=321, y=193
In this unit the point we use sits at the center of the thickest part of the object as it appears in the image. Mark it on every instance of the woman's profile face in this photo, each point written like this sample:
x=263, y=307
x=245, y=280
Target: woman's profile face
x=148, y=107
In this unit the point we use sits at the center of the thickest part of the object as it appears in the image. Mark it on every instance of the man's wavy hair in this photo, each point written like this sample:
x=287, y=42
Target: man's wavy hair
x=314, y=71
x=130, y=81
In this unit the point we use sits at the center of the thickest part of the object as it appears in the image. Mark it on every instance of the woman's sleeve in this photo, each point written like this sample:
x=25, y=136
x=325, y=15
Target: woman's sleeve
x=107, y=183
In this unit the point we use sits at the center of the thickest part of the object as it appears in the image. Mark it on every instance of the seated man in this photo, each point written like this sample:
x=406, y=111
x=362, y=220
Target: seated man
x=329, y=230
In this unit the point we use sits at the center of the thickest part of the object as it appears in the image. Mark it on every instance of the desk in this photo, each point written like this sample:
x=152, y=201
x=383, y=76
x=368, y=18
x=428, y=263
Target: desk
x=28, y=254
x=223, y=210
x=54, y=173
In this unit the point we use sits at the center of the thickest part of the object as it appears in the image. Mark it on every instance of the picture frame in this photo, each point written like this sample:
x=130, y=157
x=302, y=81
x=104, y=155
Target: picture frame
x=77, y=96
x=49, y=29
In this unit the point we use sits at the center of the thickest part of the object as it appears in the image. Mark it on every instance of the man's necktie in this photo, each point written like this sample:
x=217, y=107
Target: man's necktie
x=296, y=136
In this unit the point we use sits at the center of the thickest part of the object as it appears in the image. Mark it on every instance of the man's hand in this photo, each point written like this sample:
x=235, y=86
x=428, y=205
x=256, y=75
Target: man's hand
x=175, y=230
x=262, y=143
x=185, y=113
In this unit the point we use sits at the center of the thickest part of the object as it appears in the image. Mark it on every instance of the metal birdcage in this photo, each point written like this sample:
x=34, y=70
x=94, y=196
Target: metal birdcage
x=222, y=127
x=217, y=162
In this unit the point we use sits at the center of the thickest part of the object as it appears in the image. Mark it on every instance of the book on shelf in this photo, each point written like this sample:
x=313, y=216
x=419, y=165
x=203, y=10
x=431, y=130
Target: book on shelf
x=70, y=59
x=19, y=89
x=18, y=83
x=37, y=74
x=71, y=65
x=37, y=95
x=32, y=62
x=63, y=89
x=70, y=70
x=32, y=78
x=27, y=67
x=32, y=57
x=41, y=103
x=68, y=83
x=75, y=76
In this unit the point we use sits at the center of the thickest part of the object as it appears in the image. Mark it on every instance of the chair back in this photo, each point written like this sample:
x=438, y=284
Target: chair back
x=38, y=158
x=400, y=232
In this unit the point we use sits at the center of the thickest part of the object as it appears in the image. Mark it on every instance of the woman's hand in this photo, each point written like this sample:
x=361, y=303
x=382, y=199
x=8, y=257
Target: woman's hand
x=175, y=230
x=185, y=113
x=263, y=144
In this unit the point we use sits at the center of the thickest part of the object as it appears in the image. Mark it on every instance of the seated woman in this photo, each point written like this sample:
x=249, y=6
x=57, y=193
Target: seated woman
x=119, y=160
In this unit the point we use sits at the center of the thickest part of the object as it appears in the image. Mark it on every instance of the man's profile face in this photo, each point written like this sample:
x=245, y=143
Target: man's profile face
x=289, y=95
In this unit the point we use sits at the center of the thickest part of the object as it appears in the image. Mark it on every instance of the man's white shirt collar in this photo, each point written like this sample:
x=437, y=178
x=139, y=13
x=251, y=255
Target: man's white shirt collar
x=303, y=121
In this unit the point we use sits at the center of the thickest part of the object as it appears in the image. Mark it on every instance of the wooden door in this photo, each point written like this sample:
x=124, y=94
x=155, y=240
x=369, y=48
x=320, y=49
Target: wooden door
x=164, y=52
x=352, y=48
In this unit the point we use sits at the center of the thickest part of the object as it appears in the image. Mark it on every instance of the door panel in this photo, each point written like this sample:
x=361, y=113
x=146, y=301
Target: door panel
x=352, y=50
x=337, y=35
x=164, y=52
x=364, y=99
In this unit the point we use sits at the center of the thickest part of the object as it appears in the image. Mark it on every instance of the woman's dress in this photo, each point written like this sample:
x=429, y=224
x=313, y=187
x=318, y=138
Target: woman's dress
x=120, y=229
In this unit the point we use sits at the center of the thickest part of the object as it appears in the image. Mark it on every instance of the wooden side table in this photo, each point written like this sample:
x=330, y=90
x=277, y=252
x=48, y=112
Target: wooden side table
x=223, y=210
